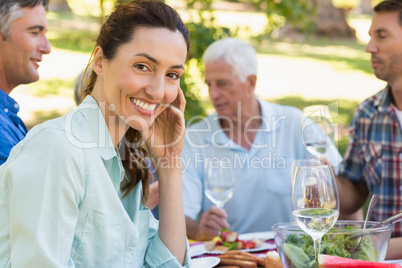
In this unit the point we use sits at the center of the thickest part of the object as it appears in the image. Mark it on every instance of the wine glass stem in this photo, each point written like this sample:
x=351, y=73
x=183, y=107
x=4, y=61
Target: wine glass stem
x=317, y=243
x=219, y=204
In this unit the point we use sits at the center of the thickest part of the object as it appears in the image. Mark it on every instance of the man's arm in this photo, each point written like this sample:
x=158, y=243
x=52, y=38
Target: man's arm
x=192, y=229
x=394, y=248
x=352, y=196
x=210, y=224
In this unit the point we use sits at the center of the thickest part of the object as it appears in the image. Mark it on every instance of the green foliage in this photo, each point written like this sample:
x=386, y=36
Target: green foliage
x=82, y=41
x=42, y=116
x=346, y=4
x=292, y=11
x=49, y=87
x=343, y=55
x=345, y=107
x=203, y=31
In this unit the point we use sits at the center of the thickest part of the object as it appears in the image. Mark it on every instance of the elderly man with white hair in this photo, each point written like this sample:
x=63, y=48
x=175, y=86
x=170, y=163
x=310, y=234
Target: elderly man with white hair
x=259, y=138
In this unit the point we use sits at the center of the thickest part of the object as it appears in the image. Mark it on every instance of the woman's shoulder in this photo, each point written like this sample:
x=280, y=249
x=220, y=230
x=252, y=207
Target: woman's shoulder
x=52, y=136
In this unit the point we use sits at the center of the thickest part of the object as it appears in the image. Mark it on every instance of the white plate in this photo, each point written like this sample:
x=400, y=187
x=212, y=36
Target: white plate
x=205, y=262
x=260, y=235
x=199, y=249
x=393, y=261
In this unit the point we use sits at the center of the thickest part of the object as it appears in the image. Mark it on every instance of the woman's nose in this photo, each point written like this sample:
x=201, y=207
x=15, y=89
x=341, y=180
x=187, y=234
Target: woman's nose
x=156, y=89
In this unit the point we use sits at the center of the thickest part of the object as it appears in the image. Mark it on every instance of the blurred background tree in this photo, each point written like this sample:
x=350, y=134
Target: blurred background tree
x=59, y=6
x=75, y=25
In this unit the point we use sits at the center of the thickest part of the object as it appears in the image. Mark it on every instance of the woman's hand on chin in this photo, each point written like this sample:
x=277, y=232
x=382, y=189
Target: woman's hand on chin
x=166, y=137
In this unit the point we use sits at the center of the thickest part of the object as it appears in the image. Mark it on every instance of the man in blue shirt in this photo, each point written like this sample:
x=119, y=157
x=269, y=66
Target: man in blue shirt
x=259, y=138
x=23, y=42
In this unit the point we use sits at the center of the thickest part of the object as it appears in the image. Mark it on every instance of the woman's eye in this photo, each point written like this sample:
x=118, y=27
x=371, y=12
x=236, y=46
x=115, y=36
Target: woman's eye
x=141, y=67
x=173, y=76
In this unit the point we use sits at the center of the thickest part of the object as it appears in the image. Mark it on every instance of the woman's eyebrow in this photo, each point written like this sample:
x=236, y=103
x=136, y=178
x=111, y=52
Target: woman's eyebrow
x=180, y=66
x=148, y=57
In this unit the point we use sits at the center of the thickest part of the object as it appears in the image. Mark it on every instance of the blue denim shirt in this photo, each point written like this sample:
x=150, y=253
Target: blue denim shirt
x=61, y=206
x=12, y=129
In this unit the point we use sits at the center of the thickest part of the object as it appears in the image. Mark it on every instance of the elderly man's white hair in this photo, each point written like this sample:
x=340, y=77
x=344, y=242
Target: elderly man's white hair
x=237, y=53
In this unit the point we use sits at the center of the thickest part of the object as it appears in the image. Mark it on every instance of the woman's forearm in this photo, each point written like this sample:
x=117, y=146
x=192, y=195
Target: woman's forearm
x=172, y=227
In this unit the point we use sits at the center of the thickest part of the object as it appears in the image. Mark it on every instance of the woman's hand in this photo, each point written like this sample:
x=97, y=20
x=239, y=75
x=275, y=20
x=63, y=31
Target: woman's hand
x=167, y=134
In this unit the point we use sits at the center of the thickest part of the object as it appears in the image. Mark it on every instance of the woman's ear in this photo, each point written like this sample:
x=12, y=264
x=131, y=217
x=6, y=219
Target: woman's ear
x=98, y=60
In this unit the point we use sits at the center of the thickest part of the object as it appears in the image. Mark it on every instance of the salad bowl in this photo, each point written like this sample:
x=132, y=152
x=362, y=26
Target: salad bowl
x=296, y=247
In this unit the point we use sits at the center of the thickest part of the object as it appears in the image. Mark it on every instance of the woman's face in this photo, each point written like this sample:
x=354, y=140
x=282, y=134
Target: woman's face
x=143, y=77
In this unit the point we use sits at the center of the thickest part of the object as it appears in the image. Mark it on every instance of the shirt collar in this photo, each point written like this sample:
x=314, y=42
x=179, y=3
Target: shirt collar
x=383, y=100
x=98, y=129
x=268, y=113
x=8, y=104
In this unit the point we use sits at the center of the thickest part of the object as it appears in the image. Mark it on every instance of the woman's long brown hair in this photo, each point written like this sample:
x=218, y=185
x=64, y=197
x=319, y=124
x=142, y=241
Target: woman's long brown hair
x=118, y=30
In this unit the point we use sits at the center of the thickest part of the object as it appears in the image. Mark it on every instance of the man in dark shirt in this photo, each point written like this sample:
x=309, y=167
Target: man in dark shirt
x=23, y=42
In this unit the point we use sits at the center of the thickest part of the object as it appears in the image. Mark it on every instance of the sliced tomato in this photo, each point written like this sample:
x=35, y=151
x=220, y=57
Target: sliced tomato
x=229, y=236
x=248, y=244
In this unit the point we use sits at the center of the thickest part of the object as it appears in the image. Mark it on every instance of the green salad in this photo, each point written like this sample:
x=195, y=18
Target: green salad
x=300, y=248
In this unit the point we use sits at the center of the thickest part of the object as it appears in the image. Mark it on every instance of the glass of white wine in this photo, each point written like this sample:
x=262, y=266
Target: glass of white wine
x=219, y=181
x=315, y=201
x=317, y=129
x=301, y=163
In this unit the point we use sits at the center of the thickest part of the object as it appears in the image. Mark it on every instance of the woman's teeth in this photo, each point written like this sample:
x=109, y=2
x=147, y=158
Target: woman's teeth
x=143, y=105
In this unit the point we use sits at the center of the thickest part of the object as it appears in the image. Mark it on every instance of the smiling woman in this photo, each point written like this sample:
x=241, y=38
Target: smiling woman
x=83, y=204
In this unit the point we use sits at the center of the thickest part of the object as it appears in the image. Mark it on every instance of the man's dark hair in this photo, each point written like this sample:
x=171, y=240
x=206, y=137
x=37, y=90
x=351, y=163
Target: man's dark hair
x=389, y=6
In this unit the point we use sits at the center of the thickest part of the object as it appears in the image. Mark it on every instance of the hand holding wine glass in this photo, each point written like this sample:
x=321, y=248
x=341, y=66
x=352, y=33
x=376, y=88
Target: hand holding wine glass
x=317, y=129
x=315, y=201
x=219, y=181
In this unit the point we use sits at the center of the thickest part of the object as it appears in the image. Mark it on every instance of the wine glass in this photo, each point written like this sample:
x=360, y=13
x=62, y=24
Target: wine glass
x=219, y=181
x=315, y=201
x=317, y=129
x=301, y=163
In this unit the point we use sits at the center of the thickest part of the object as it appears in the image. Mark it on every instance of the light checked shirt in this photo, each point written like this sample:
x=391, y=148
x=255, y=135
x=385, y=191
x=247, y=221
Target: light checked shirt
x=60, y=201
x=374, y=155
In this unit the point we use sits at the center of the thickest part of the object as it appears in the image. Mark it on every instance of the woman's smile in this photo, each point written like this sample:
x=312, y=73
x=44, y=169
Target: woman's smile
x=144, y=105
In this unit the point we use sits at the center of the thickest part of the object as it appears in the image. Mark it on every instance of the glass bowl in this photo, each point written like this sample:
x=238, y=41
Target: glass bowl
x=294, y=245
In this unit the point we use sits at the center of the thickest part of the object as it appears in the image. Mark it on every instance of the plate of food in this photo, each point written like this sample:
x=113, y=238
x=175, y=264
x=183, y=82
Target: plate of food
x=229, y=240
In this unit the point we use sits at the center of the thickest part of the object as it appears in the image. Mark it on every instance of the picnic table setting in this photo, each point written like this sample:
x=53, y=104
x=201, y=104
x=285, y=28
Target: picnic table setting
x=232, y=249
x=316, y=238
x=289, y=246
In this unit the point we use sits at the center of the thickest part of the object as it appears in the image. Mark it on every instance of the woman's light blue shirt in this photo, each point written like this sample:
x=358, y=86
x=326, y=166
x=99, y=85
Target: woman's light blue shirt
x=61, y=206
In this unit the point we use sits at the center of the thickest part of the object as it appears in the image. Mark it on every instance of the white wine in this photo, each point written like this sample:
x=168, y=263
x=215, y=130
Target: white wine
x=219, y=195
x=313, y=147
x=316, y=221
